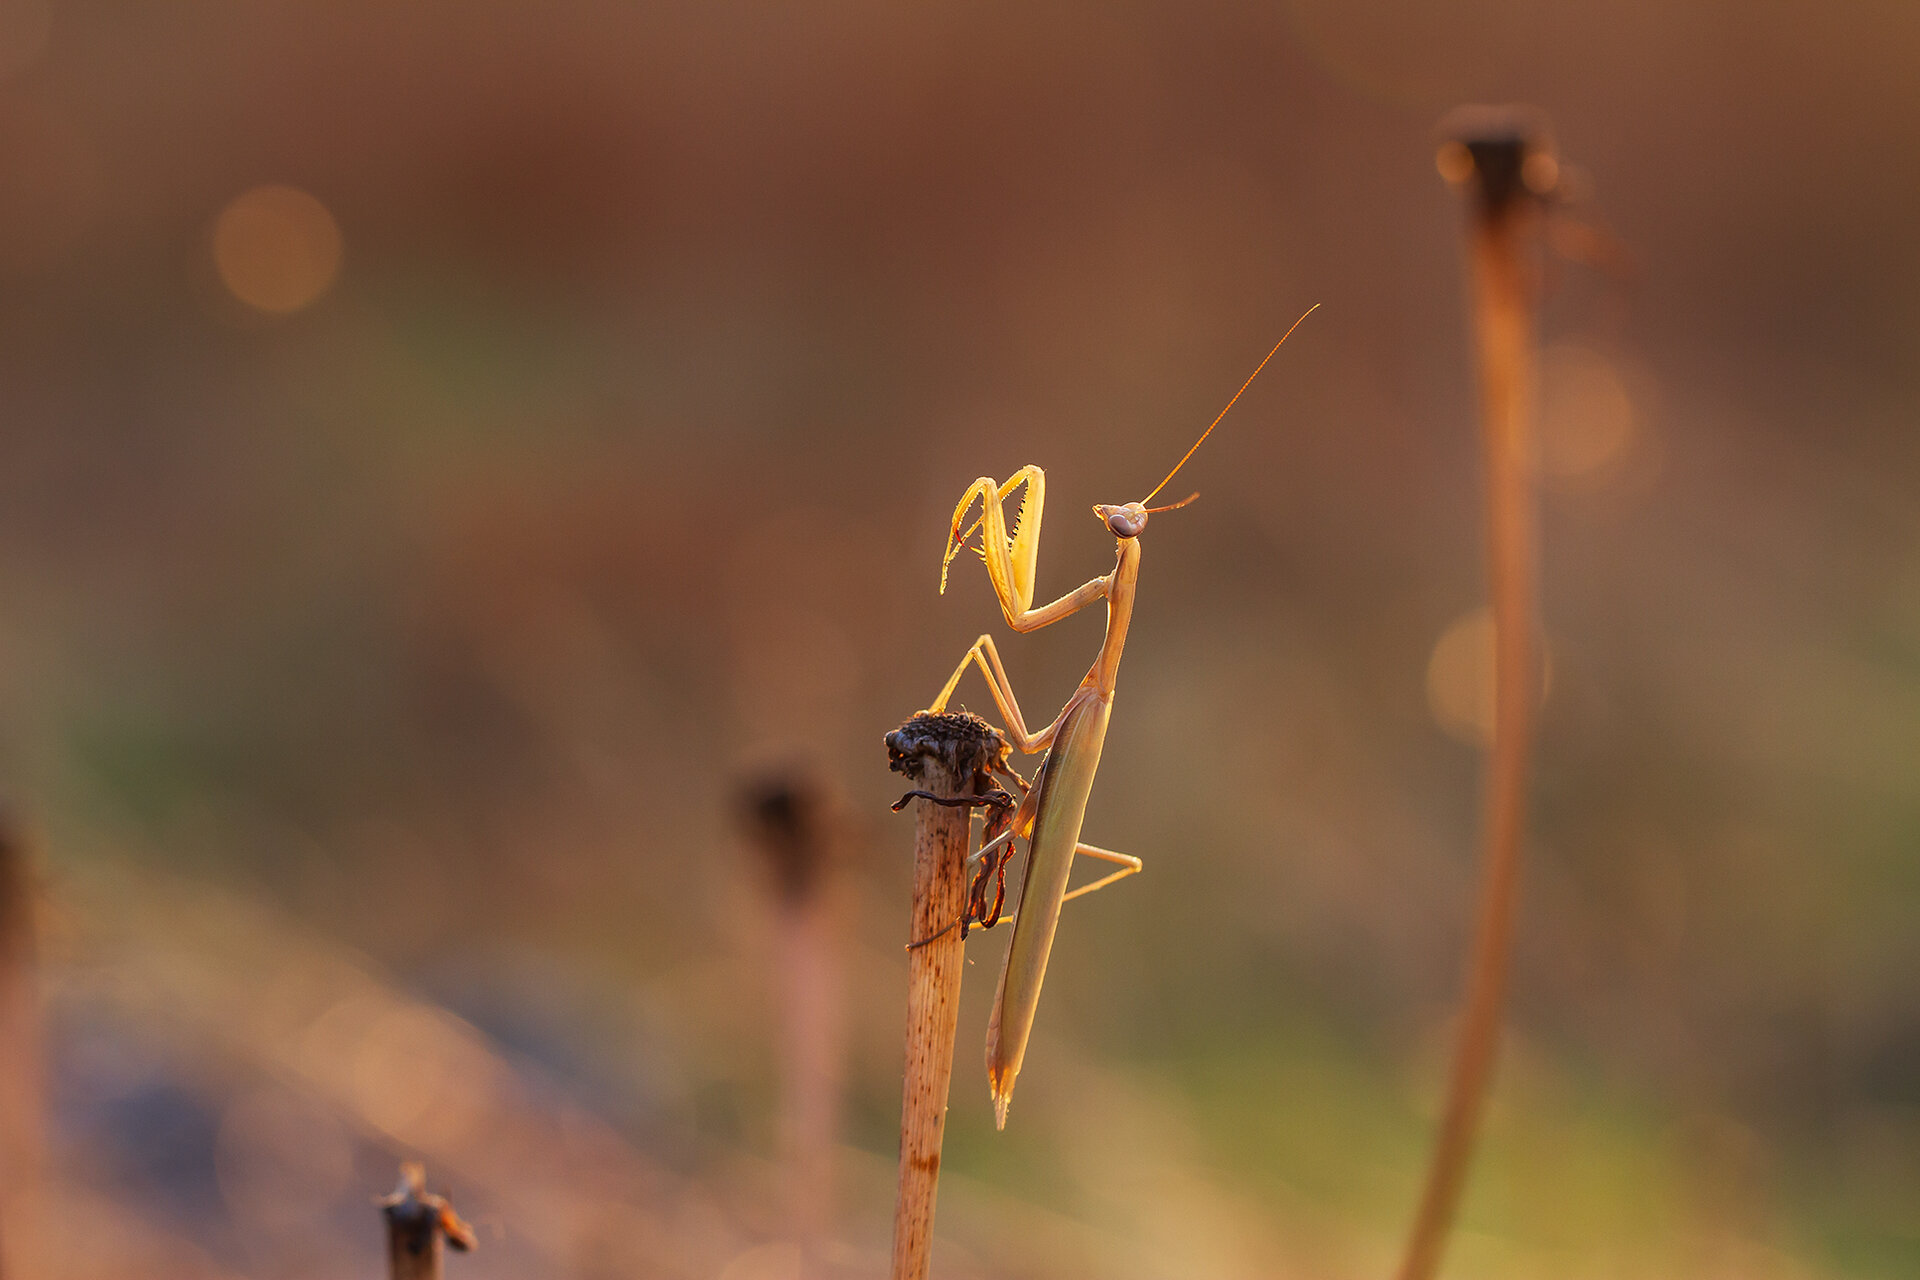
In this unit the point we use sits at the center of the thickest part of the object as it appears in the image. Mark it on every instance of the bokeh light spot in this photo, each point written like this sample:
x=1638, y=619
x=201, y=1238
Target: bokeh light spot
x=1587, y=418
x=1541, y=172
x=423, y=1076
x=277, y=248
x=1460, y=677
x=1454, y=162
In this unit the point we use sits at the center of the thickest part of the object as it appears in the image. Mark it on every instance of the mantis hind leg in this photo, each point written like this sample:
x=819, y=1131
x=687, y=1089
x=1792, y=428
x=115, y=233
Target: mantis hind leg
x=1129, y=865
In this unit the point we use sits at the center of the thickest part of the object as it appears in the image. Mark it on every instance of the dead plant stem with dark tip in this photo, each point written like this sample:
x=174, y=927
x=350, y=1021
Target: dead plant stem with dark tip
x=1500, y=244
x=789, y=819
x=943, y=754
x=417, y=1224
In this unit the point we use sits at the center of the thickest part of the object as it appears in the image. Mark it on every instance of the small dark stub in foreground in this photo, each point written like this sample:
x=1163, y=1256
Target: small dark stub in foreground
x=417, y=1221
x=786, y=817
x=16, y=894
x=1498, y=163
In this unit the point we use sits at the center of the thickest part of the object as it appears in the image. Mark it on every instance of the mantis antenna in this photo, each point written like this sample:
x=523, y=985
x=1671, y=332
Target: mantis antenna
x=1223, y=413
x=957, y=539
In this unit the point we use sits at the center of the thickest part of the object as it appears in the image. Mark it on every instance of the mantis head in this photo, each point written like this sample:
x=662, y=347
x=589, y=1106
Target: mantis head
x=1124, y=521
x=1129, y=519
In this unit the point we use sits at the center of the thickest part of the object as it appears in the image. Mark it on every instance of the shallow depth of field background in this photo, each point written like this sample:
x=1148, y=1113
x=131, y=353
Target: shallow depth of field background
x=450, y=449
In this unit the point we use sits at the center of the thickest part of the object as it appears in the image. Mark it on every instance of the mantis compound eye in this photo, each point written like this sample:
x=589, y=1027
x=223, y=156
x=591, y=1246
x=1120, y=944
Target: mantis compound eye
x=1123, y=521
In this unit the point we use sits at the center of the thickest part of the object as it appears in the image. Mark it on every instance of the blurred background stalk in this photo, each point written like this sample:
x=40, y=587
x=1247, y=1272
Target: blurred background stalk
x=22, y=1102
x=1502, y=160
x=790, y=818
x=419, y=1226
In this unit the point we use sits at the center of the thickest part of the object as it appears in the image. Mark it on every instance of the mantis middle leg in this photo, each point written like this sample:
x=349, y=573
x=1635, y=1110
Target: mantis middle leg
x=987, y=658
x=1129, y=865
x=1021, y=821
x=1022, y=824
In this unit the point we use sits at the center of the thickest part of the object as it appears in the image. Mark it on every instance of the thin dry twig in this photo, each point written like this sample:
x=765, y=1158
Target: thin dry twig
x=948, y=755
x=1503, y=159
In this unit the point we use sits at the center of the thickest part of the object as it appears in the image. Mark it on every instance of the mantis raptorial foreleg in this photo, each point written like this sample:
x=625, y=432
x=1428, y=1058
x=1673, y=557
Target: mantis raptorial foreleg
x=1013, y=559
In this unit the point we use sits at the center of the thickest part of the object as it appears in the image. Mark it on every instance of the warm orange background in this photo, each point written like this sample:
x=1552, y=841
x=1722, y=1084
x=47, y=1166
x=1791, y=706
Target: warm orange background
x=449, y=449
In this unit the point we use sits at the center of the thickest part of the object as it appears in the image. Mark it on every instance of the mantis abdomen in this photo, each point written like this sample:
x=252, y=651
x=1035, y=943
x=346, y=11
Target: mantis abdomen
x=1065, y=782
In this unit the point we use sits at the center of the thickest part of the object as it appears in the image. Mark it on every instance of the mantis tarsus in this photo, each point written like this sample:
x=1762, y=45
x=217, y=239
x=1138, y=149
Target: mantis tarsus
x=1054, y=807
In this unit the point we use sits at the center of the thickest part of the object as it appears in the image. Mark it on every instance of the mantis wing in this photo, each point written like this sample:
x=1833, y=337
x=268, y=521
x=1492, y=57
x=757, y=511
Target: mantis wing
x=1065, y=781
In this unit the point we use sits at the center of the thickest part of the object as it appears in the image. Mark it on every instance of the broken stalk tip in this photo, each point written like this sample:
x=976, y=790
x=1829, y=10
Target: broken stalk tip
x=417, y=1222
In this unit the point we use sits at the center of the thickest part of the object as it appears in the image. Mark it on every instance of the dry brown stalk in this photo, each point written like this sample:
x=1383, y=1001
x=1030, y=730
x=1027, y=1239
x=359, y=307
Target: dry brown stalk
x=1503, y=159
x=945, y=754
x=790, y=821
x=417, y=1221
x=21, y=1092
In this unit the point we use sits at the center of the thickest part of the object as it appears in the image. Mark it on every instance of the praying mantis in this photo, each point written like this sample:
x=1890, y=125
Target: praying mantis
x=1053, y=808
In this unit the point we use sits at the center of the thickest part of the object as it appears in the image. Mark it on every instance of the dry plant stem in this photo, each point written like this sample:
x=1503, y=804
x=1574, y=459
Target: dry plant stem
x=417, y=1222
x=21, y=1101
x=810, y=1046
x=942, y=754
x=1500, y=242
x=788, y=818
